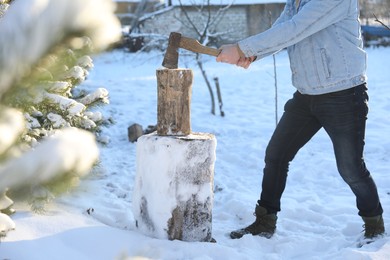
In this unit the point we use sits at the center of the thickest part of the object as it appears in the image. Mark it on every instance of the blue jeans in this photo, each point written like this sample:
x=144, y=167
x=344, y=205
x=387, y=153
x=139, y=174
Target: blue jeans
x=343, y=116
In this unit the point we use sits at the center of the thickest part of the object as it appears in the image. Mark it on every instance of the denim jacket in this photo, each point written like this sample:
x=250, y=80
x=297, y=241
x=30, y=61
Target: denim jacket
x=323, y=41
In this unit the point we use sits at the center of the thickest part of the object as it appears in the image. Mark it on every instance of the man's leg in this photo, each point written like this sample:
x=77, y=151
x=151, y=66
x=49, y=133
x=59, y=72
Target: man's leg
x=295, y=128
x=343, y=115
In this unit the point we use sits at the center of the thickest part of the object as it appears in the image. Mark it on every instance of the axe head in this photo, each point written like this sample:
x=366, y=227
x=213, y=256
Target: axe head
x=171, y=57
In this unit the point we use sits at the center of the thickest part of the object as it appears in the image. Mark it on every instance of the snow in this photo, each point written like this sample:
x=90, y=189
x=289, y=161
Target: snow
x=11, y=126
x=318, y=219
x=57, y=120
x=98, y=94
x=6, y=224
x=76, y=146
x=70, y=105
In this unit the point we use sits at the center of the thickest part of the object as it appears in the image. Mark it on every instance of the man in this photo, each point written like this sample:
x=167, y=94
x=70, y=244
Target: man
x=328, y=65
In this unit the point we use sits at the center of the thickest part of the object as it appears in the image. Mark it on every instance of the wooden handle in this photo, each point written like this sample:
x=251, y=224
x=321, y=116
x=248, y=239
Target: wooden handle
x=195, y=46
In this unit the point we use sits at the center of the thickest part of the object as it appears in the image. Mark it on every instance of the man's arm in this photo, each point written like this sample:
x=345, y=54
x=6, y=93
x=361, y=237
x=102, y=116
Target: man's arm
x=313, y=17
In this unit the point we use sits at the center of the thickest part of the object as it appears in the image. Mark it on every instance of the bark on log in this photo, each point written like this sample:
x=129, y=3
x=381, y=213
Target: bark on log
x=174, y=101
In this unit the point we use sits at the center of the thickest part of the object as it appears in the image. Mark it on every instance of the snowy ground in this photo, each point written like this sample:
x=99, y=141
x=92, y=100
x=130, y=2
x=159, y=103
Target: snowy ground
x=318, y=218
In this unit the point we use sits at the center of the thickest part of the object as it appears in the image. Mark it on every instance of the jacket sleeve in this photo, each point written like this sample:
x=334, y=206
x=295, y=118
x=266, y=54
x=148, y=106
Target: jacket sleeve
x=314, y=16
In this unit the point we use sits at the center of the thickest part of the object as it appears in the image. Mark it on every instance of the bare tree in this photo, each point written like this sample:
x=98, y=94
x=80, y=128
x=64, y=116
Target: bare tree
x=370, y=11
x=206, y=18
x=275, y=77
x=382, y=23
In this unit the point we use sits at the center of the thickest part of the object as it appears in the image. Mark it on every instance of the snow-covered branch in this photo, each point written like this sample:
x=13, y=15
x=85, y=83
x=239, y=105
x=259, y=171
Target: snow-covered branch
x=68, y=151
x=11, y=126
x=43, y=24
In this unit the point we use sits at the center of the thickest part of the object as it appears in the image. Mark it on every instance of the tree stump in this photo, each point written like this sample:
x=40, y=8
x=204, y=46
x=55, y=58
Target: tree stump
x=174, y=100
x=173, y=192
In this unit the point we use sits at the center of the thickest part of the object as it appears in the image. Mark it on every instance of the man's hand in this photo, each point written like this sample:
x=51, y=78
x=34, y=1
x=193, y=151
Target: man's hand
x=232, y=54
x=229, y=54
x=245, y=62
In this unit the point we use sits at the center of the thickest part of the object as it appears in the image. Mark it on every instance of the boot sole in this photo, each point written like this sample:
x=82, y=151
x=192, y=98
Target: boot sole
x=241, y=232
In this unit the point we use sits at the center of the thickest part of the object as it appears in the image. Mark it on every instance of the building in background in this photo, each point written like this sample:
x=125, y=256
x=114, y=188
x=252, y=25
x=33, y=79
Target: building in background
x=227, y=21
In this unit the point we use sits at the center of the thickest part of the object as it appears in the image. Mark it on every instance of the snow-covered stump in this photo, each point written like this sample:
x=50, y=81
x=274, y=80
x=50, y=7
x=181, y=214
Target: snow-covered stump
x=173, y=193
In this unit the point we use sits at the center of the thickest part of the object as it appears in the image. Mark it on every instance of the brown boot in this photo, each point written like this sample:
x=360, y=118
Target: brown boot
x=373, y=226
x=264, y=225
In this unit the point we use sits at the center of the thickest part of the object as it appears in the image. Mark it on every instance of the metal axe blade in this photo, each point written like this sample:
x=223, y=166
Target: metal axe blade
x=171, y=57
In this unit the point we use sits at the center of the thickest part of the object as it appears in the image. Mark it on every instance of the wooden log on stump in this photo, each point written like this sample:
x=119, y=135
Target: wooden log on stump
x=174, y=100
x=173, y=193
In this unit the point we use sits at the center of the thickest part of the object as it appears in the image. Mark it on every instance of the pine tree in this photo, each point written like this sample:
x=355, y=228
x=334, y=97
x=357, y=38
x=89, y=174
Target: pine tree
x=41, y=110
x=50, y=99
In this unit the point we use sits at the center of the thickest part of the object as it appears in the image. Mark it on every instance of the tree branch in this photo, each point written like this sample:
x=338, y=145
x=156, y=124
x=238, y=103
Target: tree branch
x=379, y=21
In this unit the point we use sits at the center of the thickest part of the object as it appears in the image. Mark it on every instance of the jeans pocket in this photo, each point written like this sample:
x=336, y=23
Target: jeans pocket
x=324, y=60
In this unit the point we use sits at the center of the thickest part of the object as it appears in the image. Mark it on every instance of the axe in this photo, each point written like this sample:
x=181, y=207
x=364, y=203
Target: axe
x=177, y=41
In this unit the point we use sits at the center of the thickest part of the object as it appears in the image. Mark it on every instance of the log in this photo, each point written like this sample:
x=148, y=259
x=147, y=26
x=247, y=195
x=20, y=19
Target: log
x=134, y=132
x=174, y=101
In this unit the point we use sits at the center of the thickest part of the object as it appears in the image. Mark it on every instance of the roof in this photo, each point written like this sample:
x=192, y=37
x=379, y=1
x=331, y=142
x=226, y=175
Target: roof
x=214, y=2
x=226, y=2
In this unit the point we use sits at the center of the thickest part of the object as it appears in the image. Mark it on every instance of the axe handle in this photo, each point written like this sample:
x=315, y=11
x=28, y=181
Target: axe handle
x=193, y=45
